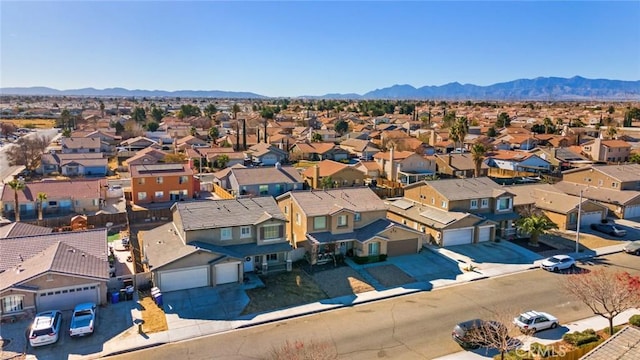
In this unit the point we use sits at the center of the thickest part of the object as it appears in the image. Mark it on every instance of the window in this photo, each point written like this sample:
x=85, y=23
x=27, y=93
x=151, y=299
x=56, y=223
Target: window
x=357, y=217
x=433, y=201
x=342, y=220
x=485, y=203
x=614, y=185
x=53, y=203
x=474, y=204
x=319, y=222
x=444, y=204
x=159, y=180
x=159, y=194
x=225, y=234
x=183, y=180
x=12, y=303
x=264, y=189
x=298, y=221
x=271, y=232
x=141, y=181
x=142, y=195
x=245, y=231
x=504, y=204
x=286, y=209
x=573, y=217
x=272, y=257
x=599, y=182
x=374, y=248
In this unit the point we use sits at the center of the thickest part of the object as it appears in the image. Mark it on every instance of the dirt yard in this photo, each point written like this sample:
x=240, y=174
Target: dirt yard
x=37, y=123
x=390, y=276
x=341, y=281
x=588, y=241
x=153, y=316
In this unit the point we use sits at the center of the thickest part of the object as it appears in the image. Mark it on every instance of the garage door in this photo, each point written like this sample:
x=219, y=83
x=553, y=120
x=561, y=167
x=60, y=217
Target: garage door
x=402, y=247
x=68, y=297
x=589, y=218
x=632, y=211
x=484, y=233
x=227, y=273
x=457, y=237
x=188, y=278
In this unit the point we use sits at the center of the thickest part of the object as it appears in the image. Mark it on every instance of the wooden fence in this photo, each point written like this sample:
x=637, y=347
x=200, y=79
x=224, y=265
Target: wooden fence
x=93, y=221
x=222, y=193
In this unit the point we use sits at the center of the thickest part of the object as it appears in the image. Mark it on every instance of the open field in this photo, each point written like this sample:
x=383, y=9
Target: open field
x=37, y=123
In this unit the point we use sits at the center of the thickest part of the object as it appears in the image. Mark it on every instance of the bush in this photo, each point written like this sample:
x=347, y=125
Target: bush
x=369, y=259
x=635, y=320
x=578, y=338
x=615, y=329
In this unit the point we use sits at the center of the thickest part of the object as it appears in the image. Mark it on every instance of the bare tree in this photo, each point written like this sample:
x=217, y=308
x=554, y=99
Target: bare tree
x=605, y=292
x=499, y=333
x=27, y=151
x=7, y=128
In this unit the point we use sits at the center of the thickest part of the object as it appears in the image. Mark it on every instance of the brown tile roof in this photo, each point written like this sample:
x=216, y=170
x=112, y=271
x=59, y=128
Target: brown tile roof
x=315, y=147
x=615, y=143
x=509, y=155
x=22, y=229
x=316, y=203
x=151, y=153
x=326, y=167
x=625, y=344
x=81, y=142
x=370, y=165
x=56, y=189
x=266, y=175
x=398, y=155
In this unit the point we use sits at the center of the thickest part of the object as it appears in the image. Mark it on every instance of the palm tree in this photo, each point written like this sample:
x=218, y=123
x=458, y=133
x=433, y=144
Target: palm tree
x=16, y=185
x=478, y=151
x=534, y=225
x=235, y=109
x=41, y=198
x=548, y=125
x=611, y=131
x=459, y=131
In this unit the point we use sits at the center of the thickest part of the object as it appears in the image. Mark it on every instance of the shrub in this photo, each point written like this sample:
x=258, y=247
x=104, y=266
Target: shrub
x=635, y=320
x=369, y=259
x=578, y=338
x=615, y=329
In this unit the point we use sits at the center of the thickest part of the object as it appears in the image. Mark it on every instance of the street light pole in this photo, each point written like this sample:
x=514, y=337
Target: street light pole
x=578, y=228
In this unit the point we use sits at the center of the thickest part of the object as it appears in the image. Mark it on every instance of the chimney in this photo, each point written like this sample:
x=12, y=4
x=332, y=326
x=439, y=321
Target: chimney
x=316, y=176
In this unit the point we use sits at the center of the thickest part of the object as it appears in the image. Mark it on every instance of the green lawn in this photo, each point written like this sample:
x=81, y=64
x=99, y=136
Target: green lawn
x=114, y=237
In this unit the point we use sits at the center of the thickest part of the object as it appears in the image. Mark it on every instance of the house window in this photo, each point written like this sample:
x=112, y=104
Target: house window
x=433, y=201
x=614, y=185
x=12, y=303
x=357, y=217
x=159, y=194
x=245, y=231
x=474, y=204
x=225, y=234
x=599, y=182
x=264, y=189
x=485, y=203
x=319, y=222
x=271, y=232
x=342, y=220
x=53, y=203
x=298, y=221
x=504, y=204
x=159, y=180
x=141, y=181
x=272, y=257
x=142, y=195
x=183, y=180
x=374, y=248
x=286, y=209
x=573, y=218
x=444, y=204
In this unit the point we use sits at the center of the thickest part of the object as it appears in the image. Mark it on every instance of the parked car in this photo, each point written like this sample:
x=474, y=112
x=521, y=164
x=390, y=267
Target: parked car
x=610, y=229
x=632, y=248
x=469, y=334
x=558, y=262
x=45, y=328
x=532, y=321
x=83, y=320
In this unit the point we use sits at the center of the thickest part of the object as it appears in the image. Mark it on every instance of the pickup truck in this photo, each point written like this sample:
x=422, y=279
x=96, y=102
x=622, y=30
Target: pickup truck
x=83, y=320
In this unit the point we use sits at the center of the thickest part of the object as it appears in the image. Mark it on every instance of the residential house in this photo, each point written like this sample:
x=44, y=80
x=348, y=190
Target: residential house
x=64, y=197
x=344, y=222
x=624, y=344
x=615, y=186
x=138, y=143
x=478, y=196
x=328, y=174
x=316, y=151
x=325, y=135
x=513, y=162
x=52, y=271
x=190, y=141
x=610, y=151
x=161, y=183
x=563, y=158
x=18, y=229
x=458, y=165
x=263, y=181
x=266, y=154
x=83, y=164
x=106, y=137
x=362, y=149
x=148, y=155
x=559, y=207
x=370, y=169
x=216, y=242
x=405, y=167
x=83, y=145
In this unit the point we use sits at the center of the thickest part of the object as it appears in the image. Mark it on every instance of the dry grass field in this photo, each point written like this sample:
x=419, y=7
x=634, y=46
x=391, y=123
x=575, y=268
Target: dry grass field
x=37, y=123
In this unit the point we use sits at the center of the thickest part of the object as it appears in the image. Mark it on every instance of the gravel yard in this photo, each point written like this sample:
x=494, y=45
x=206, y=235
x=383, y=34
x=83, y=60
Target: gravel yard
x=340, y=281
x=390, y=276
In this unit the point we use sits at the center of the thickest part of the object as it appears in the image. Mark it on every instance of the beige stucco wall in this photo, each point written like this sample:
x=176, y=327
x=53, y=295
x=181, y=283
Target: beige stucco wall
x=596, y=178
x=198, y=258
x=28, y=302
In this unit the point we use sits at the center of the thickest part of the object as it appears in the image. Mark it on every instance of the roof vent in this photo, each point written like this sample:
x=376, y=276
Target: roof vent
x=71, y=250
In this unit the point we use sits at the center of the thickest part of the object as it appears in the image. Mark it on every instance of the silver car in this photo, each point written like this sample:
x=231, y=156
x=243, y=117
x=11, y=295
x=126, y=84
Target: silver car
x=632, y=248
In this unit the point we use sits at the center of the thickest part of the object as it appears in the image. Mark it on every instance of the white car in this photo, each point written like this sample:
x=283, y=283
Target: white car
x=46, y=328
x=532, y=321
x=558, y=262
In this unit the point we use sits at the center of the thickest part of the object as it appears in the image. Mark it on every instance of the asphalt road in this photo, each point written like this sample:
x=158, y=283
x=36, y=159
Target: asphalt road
x=410, y=327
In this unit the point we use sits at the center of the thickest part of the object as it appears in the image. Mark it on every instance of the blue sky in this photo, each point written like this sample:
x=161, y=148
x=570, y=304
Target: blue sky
x=312, y=48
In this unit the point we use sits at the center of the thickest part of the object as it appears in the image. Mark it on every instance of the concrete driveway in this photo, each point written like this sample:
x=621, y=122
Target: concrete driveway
x=114, y=320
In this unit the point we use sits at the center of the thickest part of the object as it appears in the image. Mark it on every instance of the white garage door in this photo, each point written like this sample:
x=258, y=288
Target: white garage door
x=188, y=278
x=632, y=211
x=484, y=234
x=589, y=218
x=227, y=273
x=68, y=297
x=457, y=237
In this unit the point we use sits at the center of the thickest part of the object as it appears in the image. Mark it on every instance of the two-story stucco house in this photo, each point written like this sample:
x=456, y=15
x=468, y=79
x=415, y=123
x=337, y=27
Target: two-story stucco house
x=329, y=174
x=162, y=182
x=344, y=222
x=216, y=242
x=610, y=151
x=405, y=167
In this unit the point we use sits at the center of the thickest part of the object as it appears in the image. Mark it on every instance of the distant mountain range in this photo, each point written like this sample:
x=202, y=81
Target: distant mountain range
x=541, y=88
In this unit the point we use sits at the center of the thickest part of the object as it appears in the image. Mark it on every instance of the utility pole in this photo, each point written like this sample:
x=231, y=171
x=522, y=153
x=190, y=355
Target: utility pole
x=578, y=228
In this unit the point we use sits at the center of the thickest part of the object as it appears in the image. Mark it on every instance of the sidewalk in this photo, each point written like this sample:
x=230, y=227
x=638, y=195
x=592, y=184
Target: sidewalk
x=547, y=336
x=199, y=328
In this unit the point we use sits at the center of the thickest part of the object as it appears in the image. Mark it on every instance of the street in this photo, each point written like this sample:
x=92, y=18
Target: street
x=5, y=169
x=409, y=327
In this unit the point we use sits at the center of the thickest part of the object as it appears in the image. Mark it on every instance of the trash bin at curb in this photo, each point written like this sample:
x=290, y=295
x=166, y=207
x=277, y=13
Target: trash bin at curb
x=115, y=297
x=157, y=298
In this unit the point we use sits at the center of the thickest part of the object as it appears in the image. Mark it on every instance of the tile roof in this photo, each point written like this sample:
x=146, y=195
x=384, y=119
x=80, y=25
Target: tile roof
x=326, y=167
x=227, y=213
x=625, y=344
x=544, y=196
x=162, y=245
x=160, y=169
x=315, y=203
x=23, y=229
x=154, y=155
x=460, y=161
x=315, y=147
x=598, y=194
x=361, y=235
x=435, y=218
x=56, y=189
x=241, y=251
x=615, y=143
x=137, y=139
x=80, y=142
x=357, y=144
x=509, y=155
x=90, y=242
x=463, y=189
x=266, y=175
x=370, y=165
x=624, y=173
x=261, y=149
x=398, y=155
